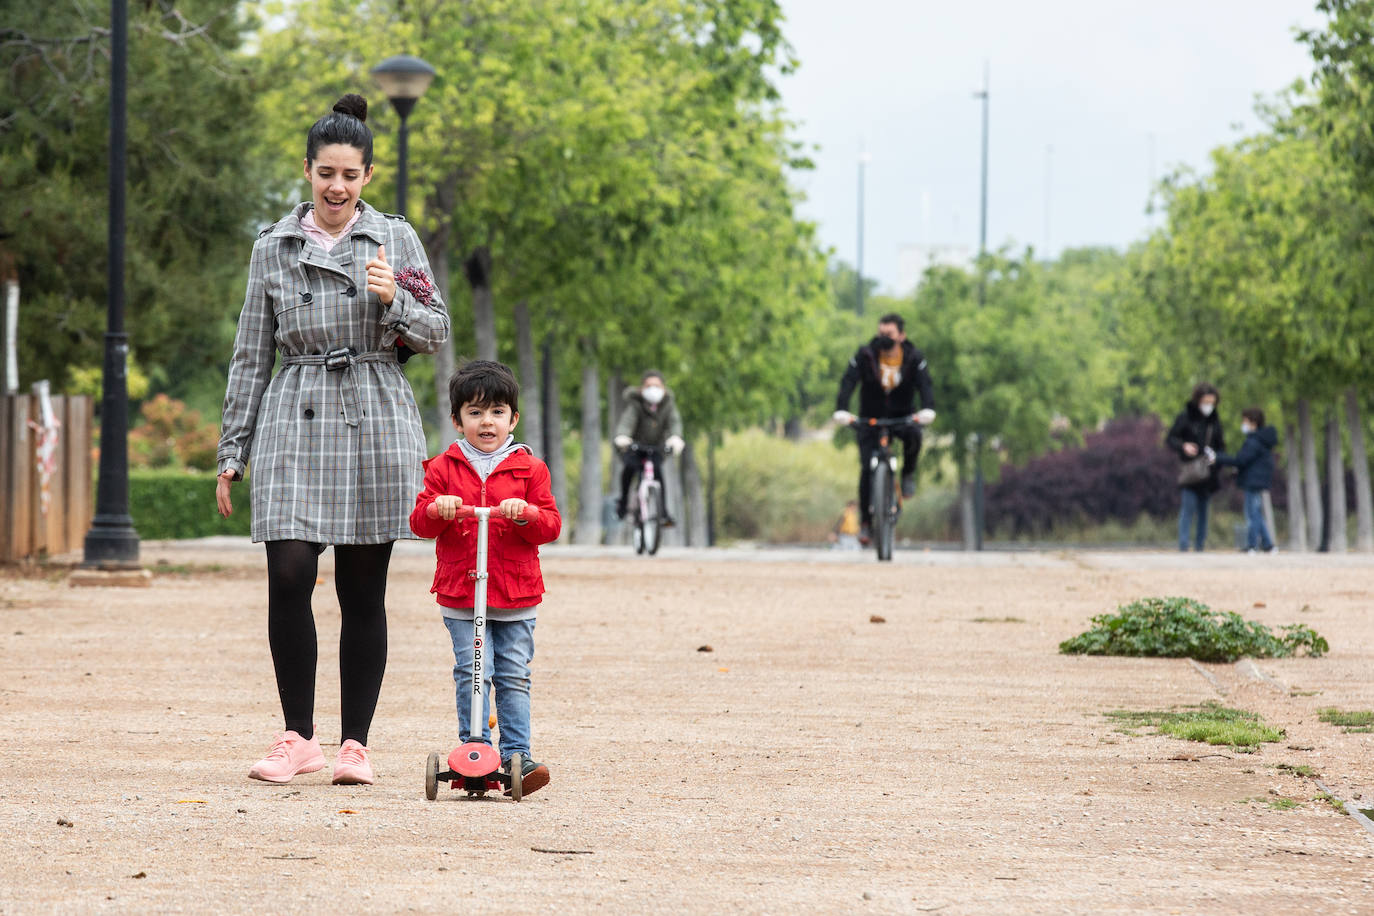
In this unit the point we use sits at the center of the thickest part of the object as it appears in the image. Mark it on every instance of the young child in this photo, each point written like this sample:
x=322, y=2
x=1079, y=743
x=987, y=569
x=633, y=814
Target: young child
x=487, y=467
x=1255, y=462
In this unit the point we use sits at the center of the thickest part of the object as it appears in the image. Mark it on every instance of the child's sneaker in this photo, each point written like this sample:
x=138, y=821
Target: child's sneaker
x=351, y=767
x=533, y=776
x=289, y=755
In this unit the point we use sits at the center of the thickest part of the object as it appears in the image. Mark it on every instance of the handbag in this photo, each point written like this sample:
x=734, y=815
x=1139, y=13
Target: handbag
x=1196, y=470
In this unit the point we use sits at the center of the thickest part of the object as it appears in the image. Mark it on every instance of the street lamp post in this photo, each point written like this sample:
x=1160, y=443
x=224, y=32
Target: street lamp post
x=864, y=159
x=978, y=513
x=404, y=79
x=112, y=542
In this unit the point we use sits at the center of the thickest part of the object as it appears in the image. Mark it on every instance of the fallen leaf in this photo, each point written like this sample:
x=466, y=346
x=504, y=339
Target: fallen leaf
x=63, y=822
x=347, y=811
x=705, y=649
x=190, y=801
x=1260, y=604
x=142, y=874
x=722, y=669
x=877, y=619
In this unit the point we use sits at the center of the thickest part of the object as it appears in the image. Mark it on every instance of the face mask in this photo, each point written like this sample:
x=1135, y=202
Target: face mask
x=1206, y=409
x=1246, y=429
x=653, y=394
x=884, y=343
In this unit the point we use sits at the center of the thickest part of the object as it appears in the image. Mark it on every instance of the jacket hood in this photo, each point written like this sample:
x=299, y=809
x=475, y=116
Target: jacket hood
x=1268, y=435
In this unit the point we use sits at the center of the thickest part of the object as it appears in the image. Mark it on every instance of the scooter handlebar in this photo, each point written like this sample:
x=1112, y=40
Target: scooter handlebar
x=529, y=515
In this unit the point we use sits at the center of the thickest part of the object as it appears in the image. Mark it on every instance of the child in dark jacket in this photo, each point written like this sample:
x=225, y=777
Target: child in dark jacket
x=487, y=467
x=1255, y=464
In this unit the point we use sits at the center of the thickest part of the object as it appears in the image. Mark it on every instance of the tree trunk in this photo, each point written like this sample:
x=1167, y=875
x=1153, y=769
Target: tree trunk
x=1359, y=460
x=696, y=516
x=792, y=429
x=1267, y=507
x=1335, y=478
x=675, y=536
x=444, y=361
x=1312, y=490
x=588, y=529
x=1297, y=518
x=553, y=434
x=532, y=417
x=477, y=267
x=711, y=533
x=966, y=514
x=615, y=401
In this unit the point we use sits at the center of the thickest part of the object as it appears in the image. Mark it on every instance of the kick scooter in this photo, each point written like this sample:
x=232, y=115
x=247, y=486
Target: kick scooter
x=475, y=766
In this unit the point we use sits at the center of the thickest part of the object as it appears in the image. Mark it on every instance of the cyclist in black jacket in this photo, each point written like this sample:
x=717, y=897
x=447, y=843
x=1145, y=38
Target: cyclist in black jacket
x=889, y=373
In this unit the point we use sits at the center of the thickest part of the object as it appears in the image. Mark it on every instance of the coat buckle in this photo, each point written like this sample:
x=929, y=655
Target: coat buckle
x=339, y=358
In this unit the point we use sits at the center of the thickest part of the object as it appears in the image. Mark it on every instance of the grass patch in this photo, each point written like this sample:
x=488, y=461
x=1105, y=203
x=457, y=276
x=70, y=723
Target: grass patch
x=163, y=568
x=1210, y=723
x=1298, y=769
x=1184, y=628
x=1333, y=801
x=1283, y=803
x=1359, y=721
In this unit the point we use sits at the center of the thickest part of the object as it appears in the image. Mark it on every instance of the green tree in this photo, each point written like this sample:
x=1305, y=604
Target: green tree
x=192, y=183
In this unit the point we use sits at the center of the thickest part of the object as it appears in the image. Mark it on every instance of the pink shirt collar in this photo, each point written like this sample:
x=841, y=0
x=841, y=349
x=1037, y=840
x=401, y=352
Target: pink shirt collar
x=326, y=241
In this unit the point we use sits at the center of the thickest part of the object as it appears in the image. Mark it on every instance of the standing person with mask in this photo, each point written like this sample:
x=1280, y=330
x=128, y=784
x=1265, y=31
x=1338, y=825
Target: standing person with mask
x=1254, y=464
x=334, y=437
x=1196, y=437
x=889, y=373
x=650, y=420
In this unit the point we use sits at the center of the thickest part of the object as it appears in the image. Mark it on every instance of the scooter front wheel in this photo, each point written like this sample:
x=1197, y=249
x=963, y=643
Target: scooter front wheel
x=432, y=776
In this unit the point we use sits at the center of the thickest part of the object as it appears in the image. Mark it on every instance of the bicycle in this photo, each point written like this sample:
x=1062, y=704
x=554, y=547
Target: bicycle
x=648, y=509
x=886, y=490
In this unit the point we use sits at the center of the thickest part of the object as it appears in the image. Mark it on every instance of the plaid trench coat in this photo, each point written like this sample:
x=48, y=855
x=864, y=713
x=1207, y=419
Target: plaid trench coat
x=335, y=452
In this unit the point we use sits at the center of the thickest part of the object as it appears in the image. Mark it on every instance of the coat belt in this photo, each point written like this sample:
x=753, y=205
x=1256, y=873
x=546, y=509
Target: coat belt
x=343, y=359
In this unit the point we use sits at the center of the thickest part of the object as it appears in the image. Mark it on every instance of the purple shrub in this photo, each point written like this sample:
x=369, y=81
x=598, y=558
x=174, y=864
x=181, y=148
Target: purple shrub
x=1120, y=473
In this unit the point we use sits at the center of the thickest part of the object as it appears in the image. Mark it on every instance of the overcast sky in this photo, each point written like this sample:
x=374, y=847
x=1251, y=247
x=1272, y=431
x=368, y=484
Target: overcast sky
x=1090, y=100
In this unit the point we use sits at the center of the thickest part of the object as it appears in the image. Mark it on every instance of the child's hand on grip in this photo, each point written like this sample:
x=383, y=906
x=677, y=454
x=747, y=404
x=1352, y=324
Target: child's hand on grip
x=513, y=508
x=445, y=507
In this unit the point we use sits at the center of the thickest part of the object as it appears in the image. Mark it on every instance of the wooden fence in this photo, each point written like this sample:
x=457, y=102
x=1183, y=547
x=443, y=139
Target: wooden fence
x=46, y=478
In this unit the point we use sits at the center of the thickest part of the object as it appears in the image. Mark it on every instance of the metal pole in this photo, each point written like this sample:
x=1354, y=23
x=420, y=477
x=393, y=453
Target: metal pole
x=859, y=273
x=403, y=147
x=112, y=541
x=982, y=300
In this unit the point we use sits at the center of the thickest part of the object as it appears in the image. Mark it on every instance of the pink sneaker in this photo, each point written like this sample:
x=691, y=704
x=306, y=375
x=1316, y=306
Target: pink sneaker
x=289, y=755
x=351, y=767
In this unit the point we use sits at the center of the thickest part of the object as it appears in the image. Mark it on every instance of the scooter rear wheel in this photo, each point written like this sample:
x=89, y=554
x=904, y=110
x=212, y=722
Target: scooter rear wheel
x=517, y=771
x=432, y=776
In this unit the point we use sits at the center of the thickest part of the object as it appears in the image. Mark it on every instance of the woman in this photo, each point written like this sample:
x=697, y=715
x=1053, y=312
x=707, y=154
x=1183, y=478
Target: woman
x=1196, y=433
x=334, y=437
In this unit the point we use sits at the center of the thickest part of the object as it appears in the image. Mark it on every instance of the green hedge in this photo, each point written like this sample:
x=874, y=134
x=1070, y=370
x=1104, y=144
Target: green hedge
x=181, y=504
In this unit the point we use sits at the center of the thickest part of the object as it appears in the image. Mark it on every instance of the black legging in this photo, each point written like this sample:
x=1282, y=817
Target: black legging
x=360, y=582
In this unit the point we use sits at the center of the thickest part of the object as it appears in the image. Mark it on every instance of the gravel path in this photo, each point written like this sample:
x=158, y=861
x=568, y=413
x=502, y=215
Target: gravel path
x=947, y=759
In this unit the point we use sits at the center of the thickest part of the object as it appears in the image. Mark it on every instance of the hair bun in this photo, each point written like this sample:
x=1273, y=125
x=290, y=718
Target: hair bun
x=352, y=104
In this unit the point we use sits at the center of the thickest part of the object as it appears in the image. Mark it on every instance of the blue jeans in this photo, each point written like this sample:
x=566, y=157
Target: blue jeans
x=512, y=647
x=1194, y=505
x=1256, y=534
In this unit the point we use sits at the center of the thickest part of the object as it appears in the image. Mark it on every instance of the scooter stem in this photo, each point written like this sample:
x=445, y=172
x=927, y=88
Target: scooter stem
x=477, y=718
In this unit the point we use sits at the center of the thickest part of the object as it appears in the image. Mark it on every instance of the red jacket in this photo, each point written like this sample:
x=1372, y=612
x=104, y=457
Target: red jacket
x=515, y=580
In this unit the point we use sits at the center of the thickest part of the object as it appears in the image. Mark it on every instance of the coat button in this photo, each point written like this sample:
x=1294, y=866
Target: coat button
x=351, y=291
x=306, y=296
x=309, y=413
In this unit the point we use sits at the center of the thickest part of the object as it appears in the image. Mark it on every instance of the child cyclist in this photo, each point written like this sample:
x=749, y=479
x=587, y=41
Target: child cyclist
x=487, y=467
